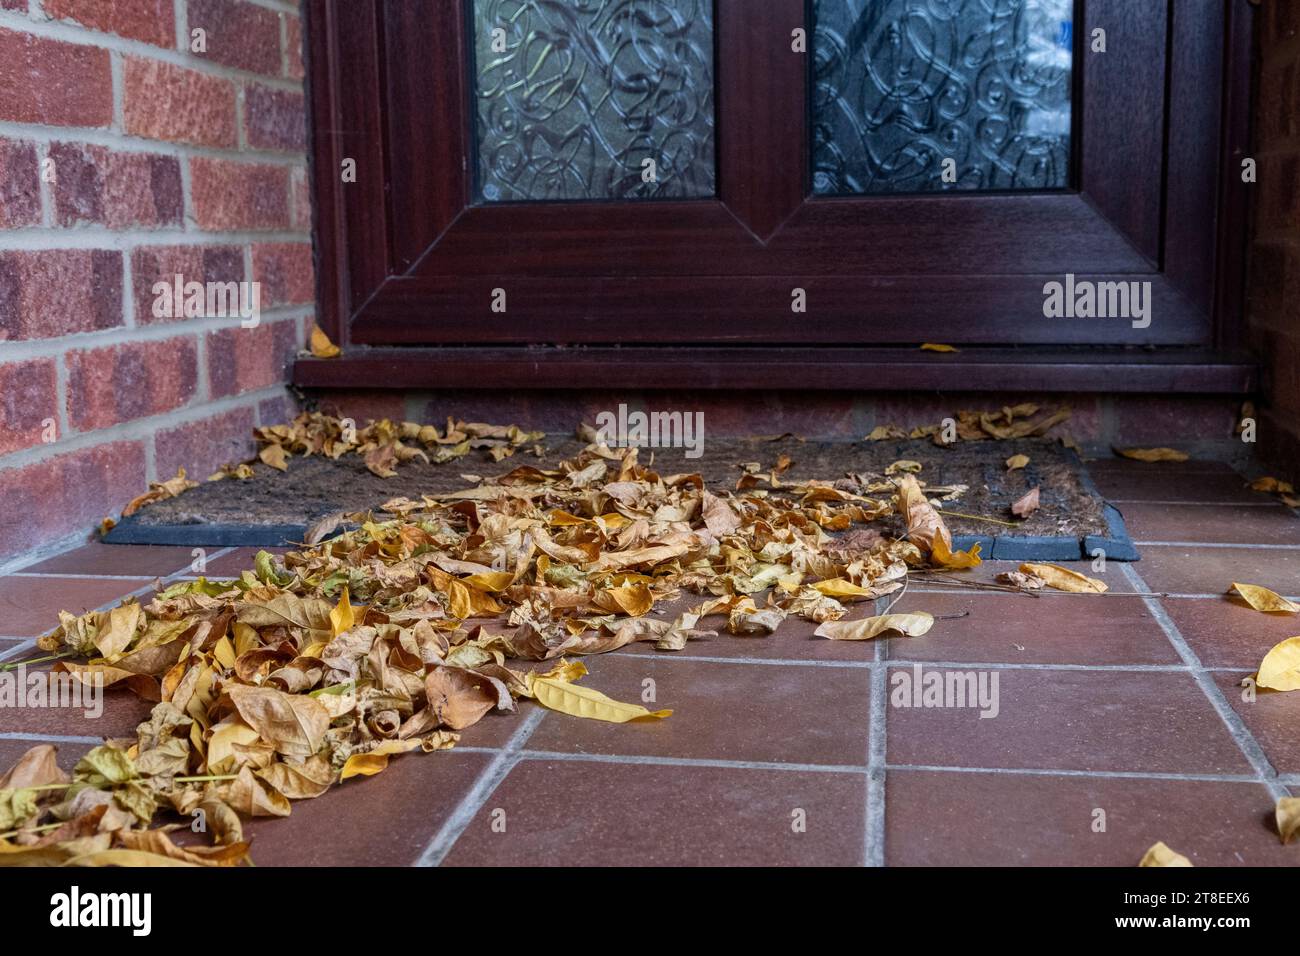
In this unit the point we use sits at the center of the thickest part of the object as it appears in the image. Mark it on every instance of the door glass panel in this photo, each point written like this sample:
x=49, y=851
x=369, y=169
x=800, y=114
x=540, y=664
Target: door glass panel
x=927, y=95
x=593, y=99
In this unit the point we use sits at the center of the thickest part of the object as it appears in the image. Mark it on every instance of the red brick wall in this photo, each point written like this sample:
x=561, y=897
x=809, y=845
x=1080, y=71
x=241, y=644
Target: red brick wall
x=1274, y=298
x=166, y=160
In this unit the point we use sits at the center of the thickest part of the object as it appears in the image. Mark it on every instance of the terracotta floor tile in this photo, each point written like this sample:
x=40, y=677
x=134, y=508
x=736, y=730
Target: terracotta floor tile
x=981, y=819
x=1083, y=629
x=1224, y=633
x=117, y=715
x=384, y=820
x=1131, y=484
x=1272, y=718
x=30, y=607
x=1070, y=720
x=580, y=813
x=1212, y=570
x=1227, y=524
x=68, y=754
x=752, y=712
x=121, y=559
x=1130, y=466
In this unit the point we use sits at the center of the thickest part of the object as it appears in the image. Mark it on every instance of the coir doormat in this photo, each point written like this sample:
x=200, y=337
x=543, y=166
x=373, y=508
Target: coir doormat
x=971, y=481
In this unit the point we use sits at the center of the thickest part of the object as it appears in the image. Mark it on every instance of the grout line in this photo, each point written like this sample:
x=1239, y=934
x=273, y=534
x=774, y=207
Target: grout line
x=87, y=576
x=50, y=738
x=27, y=644
x=1233, y=721
x=1117, y=774
x=654, y=760
x=1218, y=544
x=873, y=833
x=479, y=794
x=1199, y=504
x=885, y=663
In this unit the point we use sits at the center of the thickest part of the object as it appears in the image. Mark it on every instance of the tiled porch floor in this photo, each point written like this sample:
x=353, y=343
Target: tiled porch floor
x=1125, y=703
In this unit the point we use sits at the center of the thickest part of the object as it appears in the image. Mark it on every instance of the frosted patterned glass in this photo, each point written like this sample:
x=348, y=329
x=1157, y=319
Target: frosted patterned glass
x=900, y=86
x=572, y=97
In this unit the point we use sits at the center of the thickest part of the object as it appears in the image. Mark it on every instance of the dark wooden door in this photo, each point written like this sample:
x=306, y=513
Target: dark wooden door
x=904, y=177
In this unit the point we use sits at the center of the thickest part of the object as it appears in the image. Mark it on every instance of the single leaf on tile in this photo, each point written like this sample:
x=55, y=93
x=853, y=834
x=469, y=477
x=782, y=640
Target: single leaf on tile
x=1287, y=815
x=1262, y=599
x=579, y=701
x=373, y=761
x=1018, y=579
x=1272, y=486
x=840, y=588
x=1161, y=855
x=37, y=767
x=912, y=624
x=1026, y=505
x=937, y=347
x=956, y=560
x=1152, y=454
x=1016, y=462
x=904, y=466
x=1064, y=579
x=1280, y=669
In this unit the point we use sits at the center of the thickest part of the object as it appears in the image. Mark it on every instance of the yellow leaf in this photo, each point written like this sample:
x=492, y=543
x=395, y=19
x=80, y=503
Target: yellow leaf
x=1152, y=454
x=1065, y=580
x=490, y=580
x=224, y=652
x=840, y=588
x=342, y=617
x=913, y=624
x=370, y=763
x=946, y=558
x=904, y=466
x=1287, y=815
x=1272, y=486
x=274, y=456
x=1262, y=599
x=1280, y=669
x=579, y=701
x=1016, y=462
x=1161, y=855
x=125, y=858
x=321, y=346
x=936, y=347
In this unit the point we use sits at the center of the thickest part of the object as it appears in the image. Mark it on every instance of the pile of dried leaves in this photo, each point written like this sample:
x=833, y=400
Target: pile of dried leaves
x=395, y=636
x=385, y=444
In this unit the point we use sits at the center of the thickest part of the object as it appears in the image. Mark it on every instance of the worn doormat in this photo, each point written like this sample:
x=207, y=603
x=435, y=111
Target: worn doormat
x=1072, y=521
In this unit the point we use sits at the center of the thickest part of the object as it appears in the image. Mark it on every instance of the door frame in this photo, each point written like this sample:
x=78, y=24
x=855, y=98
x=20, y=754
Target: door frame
x=405, y=259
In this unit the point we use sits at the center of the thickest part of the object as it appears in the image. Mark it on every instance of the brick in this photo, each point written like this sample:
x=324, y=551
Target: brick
x=293, y=47
x=244, y=360
x=59, y=292
x=285, y=271
x=203, y=446
x=276, y=411
x=1152, y=419
x=53, y=498
x=275, y=119
x=152, y=21
x=29, y=397
x=232, y=195
x=167, y=102
x=194, y=263
x=96, y=184
x=299, y=200
x=119, y=383
x=54, y=83
x=238, y=34
x=20, y=5
x=20, y=186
